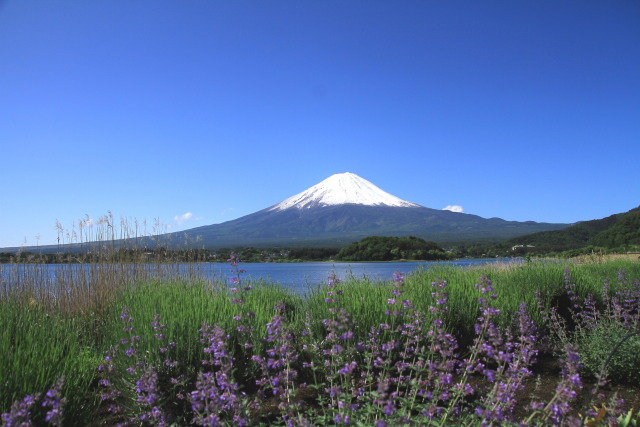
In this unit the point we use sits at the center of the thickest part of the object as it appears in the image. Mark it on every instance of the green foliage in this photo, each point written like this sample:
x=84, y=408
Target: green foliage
x=6, y=257
x=166, y=255
x=610, y=232
x=39, y=347
x=312, y=254
x=596, y=344
x=40, y=344
x=378, y=248
x=185, y=306
x=159, y=254
x=28, y=257
x=624, y=232
x=514, y=283
x=632, y=418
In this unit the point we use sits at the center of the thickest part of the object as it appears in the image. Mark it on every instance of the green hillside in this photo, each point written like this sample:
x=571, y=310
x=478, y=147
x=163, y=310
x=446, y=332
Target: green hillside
x=626, y=231
x=611, y=232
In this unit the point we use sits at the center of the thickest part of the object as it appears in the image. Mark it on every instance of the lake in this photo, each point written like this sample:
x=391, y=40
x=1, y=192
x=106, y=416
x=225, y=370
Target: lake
x=296, y=276
x=300, y=276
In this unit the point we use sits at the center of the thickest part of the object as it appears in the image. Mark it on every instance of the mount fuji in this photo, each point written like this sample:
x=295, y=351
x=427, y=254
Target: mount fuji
x=342, y=189
x=345, y=208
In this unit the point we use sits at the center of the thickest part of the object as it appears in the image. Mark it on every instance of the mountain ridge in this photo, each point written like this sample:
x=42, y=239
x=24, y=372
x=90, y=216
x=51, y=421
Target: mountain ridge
x=339, y=210
x=345, y=208
x=338, y=225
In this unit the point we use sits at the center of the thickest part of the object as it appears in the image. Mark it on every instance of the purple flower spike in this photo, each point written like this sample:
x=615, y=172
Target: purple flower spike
x=333, y=280
x=216, y=392
x=20, y=415
x=398, y=277
x=148, y=395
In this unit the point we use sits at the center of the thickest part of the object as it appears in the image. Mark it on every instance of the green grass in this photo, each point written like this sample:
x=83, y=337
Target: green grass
x=38, y=348
x=184, y=306
x=43, y=339
x=514, y=284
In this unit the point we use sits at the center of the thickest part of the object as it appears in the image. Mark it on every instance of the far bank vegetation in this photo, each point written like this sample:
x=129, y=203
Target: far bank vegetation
x=379, y=248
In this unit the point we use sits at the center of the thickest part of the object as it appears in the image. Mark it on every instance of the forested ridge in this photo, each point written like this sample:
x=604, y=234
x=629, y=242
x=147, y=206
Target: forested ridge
x=379, y=248
x=615, y=231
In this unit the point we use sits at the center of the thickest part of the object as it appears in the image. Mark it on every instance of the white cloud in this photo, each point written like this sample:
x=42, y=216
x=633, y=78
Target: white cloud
x=179, y=219
x=453, y=208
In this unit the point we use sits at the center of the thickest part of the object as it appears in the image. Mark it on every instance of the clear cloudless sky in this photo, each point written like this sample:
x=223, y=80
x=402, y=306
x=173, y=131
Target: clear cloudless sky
x=189, y=113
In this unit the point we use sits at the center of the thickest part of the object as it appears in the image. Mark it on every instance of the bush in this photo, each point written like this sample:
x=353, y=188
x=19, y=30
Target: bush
x=596, y=345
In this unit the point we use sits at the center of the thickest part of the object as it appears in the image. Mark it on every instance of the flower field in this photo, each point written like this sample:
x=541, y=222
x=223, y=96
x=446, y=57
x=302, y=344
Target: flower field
x=527, y=344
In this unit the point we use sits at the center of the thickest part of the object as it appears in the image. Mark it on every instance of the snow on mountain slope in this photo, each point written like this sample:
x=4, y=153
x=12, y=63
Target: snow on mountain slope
x=339, y=189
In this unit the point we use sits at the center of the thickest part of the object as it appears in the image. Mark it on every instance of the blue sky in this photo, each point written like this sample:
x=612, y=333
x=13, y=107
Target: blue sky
x=211, y=110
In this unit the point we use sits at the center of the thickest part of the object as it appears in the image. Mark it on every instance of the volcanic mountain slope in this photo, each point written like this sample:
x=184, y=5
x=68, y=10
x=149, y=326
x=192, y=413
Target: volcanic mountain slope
x=344, y=208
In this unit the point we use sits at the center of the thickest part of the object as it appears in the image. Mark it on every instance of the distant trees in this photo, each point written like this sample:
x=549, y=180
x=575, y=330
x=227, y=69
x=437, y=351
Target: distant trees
x=312, y=254
x=379, y=248
x=163, y=254
x=252, y=254
x=624, y=232
x=614, y=232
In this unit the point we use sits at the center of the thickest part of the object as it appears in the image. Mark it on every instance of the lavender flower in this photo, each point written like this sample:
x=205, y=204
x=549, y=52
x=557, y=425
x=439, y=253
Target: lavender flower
x=512, y=358
x=556, y=411
x=216, y=392
x=398, y=284
x=277, y=367
x=333, y=280
x=234, y=261
x=148, y=396
x=53, y=400
x=20, y=415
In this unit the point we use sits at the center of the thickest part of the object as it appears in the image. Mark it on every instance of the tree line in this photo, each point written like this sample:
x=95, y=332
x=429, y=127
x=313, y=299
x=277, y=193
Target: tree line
x=382, y=248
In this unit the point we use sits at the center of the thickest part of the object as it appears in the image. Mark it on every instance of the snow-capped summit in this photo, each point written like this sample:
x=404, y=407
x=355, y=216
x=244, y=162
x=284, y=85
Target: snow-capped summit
x=340, y=189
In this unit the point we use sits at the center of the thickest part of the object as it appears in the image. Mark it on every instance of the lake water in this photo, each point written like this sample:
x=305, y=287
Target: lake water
x=297, y=276
x=300, y=276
